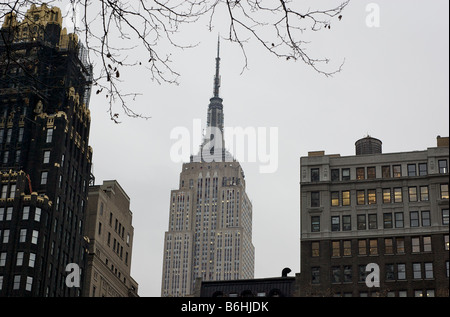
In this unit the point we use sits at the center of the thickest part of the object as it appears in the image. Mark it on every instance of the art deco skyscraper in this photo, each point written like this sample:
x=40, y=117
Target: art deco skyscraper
x=45, y=155
x=210, y=221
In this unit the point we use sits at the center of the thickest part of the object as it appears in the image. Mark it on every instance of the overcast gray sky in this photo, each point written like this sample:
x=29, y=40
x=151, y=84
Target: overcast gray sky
x=393, y=86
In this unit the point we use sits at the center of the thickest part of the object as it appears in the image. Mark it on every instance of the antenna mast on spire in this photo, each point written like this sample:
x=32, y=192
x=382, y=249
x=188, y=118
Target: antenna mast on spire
x=217, y=76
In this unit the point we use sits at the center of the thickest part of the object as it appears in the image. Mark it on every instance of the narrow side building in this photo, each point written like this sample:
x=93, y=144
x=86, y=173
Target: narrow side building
x=110, y=232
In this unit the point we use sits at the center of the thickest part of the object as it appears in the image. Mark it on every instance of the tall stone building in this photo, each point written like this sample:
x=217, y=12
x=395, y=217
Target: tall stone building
x=110, y=232
x=389, y=210
x=45, y=157
x=210, y=222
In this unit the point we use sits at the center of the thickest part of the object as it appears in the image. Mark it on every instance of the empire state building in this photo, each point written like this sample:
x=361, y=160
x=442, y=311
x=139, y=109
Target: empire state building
x=210, y=222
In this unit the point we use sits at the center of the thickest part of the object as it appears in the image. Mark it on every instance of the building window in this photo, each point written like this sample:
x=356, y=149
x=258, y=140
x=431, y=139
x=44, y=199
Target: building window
x=412, y=193
x=415, y=243
x=360, y=197
x=315, y=223
x=23, y=235
x=373, y=224
x=34, y=237
x=398, y=195
x=46, y=157
x=427, y=244
x=2, y=259
x=347, y=273
x=37, y=214
x=29, y=283
x=386, y=171
x=373, y=247
x=444, y=191
x=314, y=174
x=315, y=275
x=371, y=174
x=49, y=136
x=443, y=169
x=334, y=198
x=32, y=260
x=412, y=170
x=397, y=170
x=345, y=174
x=16, y=284
x=336, y=248
x=335, y=223
x=428, y=270
x=426, y=221
x=360, y=173
x=362, y=247
x=389, y=246
x=387, y=220
x=362, y=275
x=361, y=222
x=315, y=249
x=347, y=248
x=8, y=135
x=389, y=269
x=315, y=199
x=400, y=242
x=44, y=176
x=335, y=274
x=423, y=169
x=334, y=175
x=5, y=157
x=399, y=223
x=371, y=196
x=445, y=217
x=417, y=271
x=346, y=223
x=386, y=195
x=346, y=198
x=401, y=271
x=414, y=218
x=424, y=193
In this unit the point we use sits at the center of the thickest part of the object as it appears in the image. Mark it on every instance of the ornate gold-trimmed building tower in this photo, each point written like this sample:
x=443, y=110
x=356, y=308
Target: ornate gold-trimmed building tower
x=45, y=159
x=210, y=222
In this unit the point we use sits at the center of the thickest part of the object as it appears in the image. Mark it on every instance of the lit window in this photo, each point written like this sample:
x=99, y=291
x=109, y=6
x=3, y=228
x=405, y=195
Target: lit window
x=346, y=198
x=360, y=173
x=336, y=248
x=334, y=198
x=397, y=170
x=398, y=195
x=371, y=196
x=424, y=193
x=412, y=192
x=444, y=191
x=361, y=197
x=34, y=237
x=386, y=195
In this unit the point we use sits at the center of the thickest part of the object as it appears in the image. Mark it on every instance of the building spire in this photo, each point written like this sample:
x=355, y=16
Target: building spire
x=217, y=76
